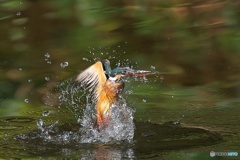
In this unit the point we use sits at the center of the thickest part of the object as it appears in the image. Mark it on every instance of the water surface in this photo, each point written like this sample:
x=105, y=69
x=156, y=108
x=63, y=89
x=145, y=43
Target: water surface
x=187, y=110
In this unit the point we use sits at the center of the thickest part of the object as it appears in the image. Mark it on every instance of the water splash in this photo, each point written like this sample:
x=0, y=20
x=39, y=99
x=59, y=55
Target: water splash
x=78, y=101
x=47, y=56
x=120, y=128
x=73, y=97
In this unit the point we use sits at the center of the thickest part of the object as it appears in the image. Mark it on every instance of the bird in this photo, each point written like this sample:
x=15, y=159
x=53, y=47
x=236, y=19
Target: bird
x=106, y=86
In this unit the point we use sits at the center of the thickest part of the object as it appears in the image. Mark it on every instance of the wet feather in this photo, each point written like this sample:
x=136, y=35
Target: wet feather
x=93, y=78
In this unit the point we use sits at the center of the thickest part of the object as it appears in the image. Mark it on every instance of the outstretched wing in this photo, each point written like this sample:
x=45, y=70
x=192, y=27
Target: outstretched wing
x=93, y=78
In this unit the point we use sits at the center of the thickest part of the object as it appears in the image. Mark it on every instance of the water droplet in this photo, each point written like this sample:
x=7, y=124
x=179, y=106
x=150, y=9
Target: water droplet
x=40, y=123
x=45, y=113
x=47, y=78
x=153, y=67
x=29, y=80
x=64, y=64
x=26, y=100
x=162, y=78
x=144, y=100
x=176, y=122
x=20, y=69
x=49, y=62
x=129, y=92
x=47, y=55
x=18, y=13
x=85, y=59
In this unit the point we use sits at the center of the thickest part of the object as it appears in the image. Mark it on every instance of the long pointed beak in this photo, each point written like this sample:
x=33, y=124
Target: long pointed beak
x=137, y=73
x=140, y=73
x=129, y=72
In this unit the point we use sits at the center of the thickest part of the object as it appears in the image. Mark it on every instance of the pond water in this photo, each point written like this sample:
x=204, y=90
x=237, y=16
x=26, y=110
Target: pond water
x=190, y=107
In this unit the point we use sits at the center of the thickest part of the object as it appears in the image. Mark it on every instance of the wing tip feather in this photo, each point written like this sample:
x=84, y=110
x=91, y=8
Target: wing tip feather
x=90, y=78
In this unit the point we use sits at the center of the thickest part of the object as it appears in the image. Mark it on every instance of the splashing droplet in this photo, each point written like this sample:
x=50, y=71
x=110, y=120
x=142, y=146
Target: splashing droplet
x=85, y=59
x=45, y=113
x=121, y=127
x=153, y=67
x=129, y=92
x=47, y=55
x=40, y=124
x=26, y=100
x=64, y=64
x=18, y=13
x=47, y=78
x=162, y=78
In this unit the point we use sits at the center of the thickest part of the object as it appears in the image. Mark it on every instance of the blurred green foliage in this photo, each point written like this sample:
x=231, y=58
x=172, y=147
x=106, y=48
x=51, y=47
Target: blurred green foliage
x=196, y=41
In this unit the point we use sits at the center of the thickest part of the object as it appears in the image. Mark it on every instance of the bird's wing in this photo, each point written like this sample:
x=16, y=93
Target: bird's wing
x=93, y=78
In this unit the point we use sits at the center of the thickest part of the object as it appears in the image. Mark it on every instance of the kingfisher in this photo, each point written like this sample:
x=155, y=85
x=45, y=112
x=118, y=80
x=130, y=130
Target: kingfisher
x=106, y=86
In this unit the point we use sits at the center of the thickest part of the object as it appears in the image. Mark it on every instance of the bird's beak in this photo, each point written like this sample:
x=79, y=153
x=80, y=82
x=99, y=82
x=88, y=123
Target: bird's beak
x=137, y=73
x=141, y=73
x=129, y=72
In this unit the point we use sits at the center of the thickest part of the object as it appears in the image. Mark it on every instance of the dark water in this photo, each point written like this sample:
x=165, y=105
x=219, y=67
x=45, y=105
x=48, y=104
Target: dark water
x=190, y=108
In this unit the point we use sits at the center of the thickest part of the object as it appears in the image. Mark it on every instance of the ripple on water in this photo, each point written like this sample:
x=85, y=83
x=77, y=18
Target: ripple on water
x=17, y=119
x=14, y=123
x=5, y=127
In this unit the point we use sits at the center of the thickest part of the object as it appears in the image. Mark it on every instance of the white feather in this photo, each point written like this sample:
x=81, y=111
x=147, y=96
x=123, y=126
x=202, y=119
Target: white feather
x=93, y=78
